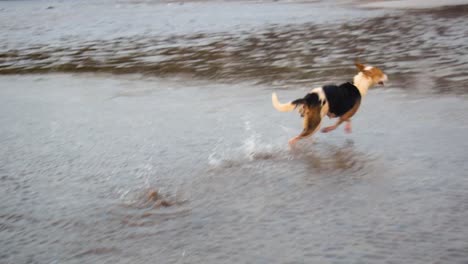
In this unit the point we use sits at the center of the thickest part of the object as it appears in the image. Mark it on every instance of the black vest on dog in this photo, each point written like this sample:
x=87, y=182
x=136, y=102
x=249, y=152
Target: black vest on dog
x=341, y=98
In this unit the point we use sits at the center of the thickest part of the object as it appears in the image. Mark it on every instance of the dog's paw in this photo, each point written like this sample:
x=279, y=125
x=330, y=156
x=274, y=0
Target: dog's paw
x=293, y=141
x=348, y=129
x=328, y=129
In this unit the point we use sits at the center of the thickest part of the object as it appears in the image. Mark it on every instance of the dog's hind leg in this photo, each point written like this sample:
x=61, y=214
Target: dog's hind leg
x=311, y=123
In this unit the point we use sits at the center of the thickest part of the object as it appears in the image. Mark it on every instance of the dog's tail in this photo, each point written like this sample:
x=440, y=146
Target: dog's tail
x=288, y=107
x=310, y=100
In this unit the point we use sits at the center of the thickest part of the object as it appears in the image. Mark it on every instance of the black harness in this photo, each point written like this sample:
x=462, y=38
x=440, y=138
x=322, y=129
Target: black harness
x=341, y=98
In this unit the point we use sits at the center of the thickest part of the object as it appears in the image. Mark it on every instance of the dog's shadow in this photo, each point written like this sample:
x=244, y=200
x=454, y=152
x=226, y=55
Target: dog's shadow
x=326, y=157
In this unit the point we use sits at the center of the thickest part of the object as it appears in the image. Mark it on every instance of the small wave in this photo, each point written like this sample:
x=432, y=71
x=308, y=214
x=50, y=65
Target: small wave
x=150, y=198
x=98, y=251
x=293, y=54
x=149, y=206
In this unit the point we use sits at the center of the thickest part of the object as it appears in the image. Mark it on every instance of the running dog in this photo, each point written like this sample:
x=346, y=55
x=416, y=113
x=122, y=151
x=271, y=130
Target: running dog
x=341, y=101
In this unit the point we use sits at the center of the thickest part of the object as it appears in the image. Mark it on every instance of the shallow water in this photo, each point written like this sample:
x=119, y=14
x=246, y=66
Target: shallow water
x=81, y=154
x=184, y=160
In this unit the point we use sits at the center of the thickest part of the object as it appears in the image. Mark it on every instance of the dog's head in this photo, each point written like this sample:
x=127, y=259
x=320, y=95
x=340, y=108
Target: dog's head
x=375, y=74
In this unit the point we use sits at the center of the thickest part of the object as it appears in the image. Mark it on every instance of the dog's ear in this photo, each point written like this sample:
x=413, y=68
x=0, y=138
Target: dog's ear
x=360, y=66
x=367, y=73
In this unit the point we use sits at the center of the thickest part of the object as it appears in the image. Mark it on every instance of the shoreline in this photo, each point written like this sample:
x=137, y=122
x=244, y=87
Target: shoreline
x=411, y=4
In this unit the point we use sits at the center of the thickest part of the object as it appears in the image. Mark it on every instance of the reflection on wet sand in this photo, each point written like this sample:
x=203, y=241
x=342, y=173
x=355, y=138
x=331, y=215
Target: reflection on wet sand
x=345, y=158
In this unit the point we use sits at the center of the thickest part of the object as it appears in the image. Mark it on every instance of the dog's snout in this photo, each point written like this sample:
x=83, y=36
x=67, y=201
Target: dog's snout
x=383, y=80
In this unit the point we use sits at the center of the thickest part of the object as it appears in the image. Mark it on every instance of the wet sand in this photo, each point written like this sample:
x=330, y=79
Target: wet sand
x=153, y=140
x=411, y=4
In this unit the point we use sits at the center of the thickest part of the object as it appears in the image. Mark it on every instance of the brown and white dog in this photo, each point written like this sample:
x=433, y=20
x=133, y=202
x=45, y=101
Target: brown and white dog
x=341, y=101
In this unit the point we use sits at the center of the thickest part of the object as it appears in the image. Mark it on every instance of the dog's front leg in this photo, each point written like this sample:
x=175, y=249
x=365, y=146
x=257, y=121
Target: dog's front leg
x=344, y=118
x=329, y=128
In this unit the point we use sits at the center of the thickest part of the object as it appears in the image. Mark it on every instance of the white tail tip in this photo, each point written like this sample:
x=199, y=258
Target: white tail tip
x=281, y=107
